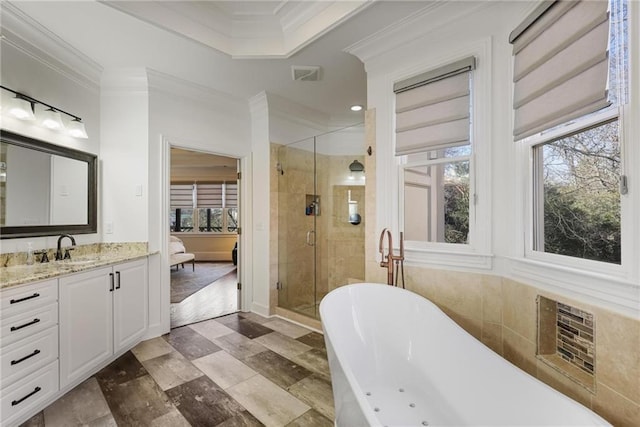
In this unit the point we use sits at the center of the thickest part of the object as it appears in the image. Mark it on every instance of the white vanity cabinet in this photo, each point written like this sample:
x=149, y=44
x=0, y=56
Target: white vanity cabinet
x=102, y=312
x=28, y=348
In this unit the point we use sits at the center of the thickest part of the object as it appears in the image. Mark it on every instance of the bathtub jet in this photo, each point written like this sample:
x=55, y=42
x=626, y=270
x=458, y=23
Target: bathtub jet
x=397, y=360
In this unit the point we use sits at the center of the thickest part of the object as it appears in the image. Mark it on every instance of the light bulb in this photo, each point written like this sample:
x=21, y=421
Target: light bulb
x=51, y=119
x=76, y=129
x=20, y=109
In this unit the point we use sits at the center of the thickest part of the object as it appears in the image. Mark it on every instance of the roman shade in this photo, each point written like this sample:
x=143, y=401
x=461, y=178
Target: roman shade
x=181, y=196
x=217, y=195
x=209, y=195
x=560, y=64
x=433, y=109
x=231, y=195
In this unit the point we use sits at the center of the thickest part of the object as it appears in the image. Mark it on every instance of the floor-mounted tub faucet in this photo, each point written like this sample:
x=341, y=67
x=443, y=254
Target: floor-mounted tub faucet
x=66, y=255
x=387, y=261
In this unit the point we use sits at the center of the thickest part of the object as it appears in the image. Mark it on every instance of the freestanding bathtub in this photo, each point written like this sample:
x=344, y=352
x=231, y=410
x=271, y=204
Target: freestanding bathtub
x=397, y=360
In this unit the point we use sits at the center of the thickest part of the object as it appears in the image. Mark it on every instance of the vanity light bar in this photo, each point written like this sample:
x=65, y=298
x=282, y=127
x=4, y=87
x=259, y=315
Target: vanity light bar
x=22, y=107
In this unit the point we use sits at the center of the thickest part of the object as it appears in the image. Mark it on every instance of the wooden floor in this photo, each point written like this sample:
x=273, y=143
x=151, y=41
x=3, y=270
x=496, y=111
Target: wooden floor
x=217, y=299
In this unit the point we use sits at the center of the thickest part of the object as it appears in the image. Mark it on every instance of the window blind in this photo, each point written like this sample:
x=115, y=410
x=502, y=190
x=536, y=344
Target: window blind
x=231, y=195
x=560, y=64
x=433, y=109
x=209, y=195
x=181, y=196
x=206, y=195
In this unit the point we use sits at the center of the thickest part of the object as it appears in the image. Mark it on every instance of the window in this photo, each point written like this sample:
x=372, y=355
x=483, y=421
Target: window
x=204, y=208
x=436, y=194
x=433, y=136
x=576, y=143
x=576, y=194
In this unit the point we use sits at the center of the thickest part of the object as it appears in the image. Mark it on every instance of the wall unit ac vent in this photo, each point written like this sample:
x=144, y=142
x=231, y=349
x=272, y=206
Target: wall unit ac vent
x=305, y=73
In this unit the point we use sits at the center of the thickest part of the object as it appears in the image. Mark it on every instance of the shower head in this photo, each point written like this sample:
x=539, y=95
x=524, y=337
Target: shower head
x=279, y=168
x=356, y=166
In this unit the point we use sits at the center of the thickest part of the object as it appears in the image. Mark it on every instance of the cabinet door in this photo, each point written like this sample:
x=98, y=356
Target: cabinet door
x=130, y=303
x=86, y=323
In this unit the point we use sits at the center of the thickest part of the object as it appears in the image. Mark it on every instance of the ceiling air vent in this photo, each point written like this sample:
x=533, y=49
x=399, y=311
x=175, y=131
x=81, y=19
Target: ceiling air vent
x=305, y=73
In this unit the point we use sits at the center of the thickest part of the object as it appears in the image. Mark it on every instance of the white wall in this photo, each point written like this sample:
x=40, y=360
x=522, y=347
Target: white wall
x=31, y=63
x=187, y=115
x=124, y=155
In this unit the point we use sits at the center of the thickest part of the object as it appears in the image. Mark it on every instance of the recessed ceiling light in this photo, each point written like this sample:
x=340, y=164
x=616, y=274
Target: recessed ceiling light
x=356, y=107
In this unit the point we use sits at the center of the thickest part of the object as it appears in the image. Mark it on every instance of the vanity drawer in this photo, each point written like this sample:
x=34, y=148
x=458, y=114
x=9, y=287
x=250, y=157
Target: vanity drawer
x=19, y=359
x=25, y=324
x=22, y=298
x=28, y=393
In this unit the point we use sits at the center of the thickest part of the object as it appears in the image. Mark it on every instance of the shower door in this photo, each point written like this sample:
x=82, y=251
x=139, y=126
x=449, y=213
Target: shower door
x=299, y=207
x=321, y=220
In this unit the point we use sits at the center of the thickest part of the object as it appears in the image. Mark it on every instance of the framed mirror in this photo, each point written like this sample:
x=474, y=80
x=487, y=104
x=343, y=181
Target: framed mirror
x=45, y=189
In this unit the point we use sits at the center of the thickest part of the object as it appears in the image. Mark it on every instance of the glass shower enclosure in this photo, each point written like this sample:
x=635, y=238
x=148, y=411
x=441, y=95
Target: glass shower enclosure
x=320, y=208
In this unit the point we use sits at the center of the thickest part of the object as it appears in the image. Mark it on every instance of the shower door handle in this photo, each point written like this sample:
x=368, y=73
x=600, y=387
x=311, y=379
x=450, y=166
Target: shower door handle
x=309, y=241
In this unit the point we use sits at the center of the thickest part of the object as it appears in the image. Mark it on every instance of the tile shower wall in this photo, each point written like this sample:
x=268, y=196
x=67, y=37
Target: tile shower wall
x=501, y=313
x=339, y=245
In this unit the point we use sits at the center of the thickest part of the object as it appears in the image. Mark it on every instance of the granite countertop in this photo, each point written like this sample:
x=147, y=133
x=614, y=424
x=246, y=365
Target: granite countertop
x=84, y=258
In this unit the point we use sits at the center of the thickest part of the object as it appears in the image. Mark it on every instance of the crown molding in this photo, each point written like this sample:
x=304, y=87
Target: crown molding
x=203, y=95
x=433, y=17
x=292, y=112
x=316, y=18
x=30, y=37
x=279, y=33
x=124, y=81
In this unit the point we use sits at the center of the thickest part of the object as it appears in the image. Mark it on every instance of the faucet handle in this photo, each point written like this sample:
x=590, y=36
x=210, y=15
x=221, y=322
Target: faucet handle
x=67, y=255
x=45, y=256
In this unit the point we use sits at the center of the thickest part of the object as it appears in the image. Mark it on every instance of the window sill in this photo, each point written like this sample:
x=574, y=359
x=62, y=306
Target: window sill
x=465, y=260
x=611, y=291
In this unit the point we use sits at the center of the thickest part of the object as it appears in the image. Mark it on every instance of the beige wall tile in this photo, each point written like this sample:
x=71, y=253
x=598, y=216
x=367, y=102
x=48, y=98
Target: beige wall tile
x=618, y=353
x=492, y=336
x=491, y=298
x=615, y=408
x=455, y=292
x=468, y=324
x=519, y=308
x=547, y=330
x=519, y=351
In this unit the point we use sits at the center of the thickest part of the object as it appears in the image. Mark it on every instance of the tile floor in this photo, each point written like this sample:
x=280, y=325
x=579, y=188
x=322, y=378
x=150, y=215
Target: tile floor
x=237, y=370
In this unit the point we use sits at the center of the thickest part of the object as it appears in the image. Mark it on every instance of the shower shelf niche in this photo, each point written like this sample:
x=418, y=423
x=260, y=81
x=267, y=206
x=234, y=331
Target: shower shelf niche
x=566, y=341
x=312, y=205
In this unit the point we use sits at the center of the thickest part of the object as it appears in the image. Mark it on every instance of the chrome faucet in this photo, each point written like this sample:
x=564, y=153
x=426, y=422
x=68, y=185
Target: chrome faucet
x=387, y=261
x=66, y=255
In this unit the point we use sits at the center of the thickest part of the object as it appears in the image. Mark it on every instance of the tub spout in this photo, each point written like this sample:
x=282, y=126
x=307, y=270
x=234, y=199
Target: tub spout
x=389, y=259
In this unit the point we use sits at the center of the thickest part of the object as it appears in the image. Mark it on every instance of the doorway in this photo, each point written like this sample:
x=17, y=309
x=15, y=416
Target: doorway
x=204, y=220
